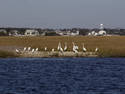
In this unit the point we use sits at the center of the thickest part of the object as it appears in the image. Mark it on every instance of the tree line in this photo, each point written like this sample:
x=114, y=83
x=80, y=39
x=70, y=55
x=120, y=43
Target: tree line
x=51, y=32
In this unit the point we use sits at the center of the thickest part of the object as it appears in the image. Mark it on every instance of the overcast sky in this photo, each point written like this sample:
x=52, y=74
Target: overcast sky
x=62, y=13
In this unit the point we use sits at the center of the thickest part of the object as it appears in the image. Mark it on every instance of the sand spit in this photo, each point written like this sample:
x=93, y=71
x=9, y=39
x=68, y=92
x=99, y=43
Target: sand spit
x=58, y=54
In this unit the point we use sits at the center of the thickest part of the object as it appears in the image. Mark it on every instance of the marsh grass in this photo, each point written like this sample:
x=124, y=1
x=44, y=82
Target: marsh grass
x=109, y=46
x=7, y=54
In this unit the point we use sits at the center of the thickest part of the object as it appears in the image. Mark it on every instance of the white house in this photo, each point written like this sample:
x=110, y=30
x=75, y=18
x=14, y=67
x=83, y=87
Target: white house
x=102, y=32
x=31, y=33
x=67, y=33
x=14, y=33
x=3, y=31
x=75, y=33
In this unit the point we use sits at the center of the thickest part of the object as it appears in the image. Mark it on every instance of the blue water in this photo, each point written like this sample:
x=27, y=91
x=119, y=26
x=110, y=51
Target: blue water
x=62, y=76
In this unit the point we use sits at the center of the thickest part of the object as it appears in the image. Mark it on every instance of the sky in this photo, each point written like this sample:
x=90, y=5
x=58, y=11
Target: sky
x=62, y=13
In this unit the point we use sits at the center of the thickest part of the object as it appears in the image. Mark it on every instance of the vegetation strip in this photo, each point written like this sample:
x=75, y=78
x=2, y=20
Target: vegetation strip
x=109, y=46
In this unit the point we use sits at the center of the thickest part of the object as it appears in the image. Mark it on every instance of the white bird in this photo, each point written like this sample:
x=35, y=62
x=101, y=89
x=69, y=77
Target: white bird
x=96, y=49
x=61, y=49
x=33, y=50
x=17, y=51
x=36, y=49
x=65, y=48
x=24, y=49
x=53, y=50
x=29, y=48
x=84, y=49
x=45, y=48
x=75, y=48
x=59, y=46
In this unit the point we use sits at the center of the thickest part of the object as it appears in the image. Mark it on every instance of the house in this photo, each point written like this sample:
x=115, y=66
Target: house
x=31, y=32
x=101, y=32
x=75, y=33
x=67, y=33
x=3, y=32
x=14, y=33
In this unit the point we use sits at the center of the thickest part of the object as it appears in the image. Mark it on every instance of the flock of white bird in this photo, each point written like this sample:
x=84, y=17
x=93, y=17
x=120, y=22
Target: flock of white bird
x=27, y=49
x=59, y=48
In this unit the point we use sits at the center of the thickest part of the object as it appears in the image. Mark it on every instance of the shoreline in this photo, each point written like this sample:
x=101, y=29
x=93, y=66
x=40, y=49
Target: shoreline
x=57, y=54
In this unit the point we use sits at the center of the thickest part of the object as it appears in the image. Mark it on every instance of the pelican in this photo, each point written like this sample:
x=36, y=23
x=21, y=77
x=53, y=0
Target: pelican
x=45, y=48
x=17, y=51
x=33, y=50
x=59, y=46
x=84, y=49
x=75, y=48
x=53, y=50
x=61, y=49
x=24, y=49
x=36, y=49
x=29, y=48
x=65, y=48
x=96, y=49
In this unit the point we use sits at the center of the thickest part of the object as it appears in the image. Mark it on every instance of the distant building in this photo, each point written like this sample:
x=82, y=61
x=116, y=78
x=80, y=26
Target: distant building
x=76, y=33
x=68, y=33
x=61, y=33
x=14, y=33
x=3, y=32
x=31, y=33
x=102, y=32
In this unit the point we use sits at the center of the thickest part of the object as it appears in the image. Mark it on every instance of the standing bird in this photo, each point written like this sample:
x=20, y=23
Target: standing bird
x=29, y=48
x=96, y=49
x=36, y=49
x=45, y=48
x=24, y=49
x=65, y=48
x=59, y=46
x=61, y=49
x=83, y=48
x=17, y=51
x=53, y=50
x=75, y=48
x=33, y=50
